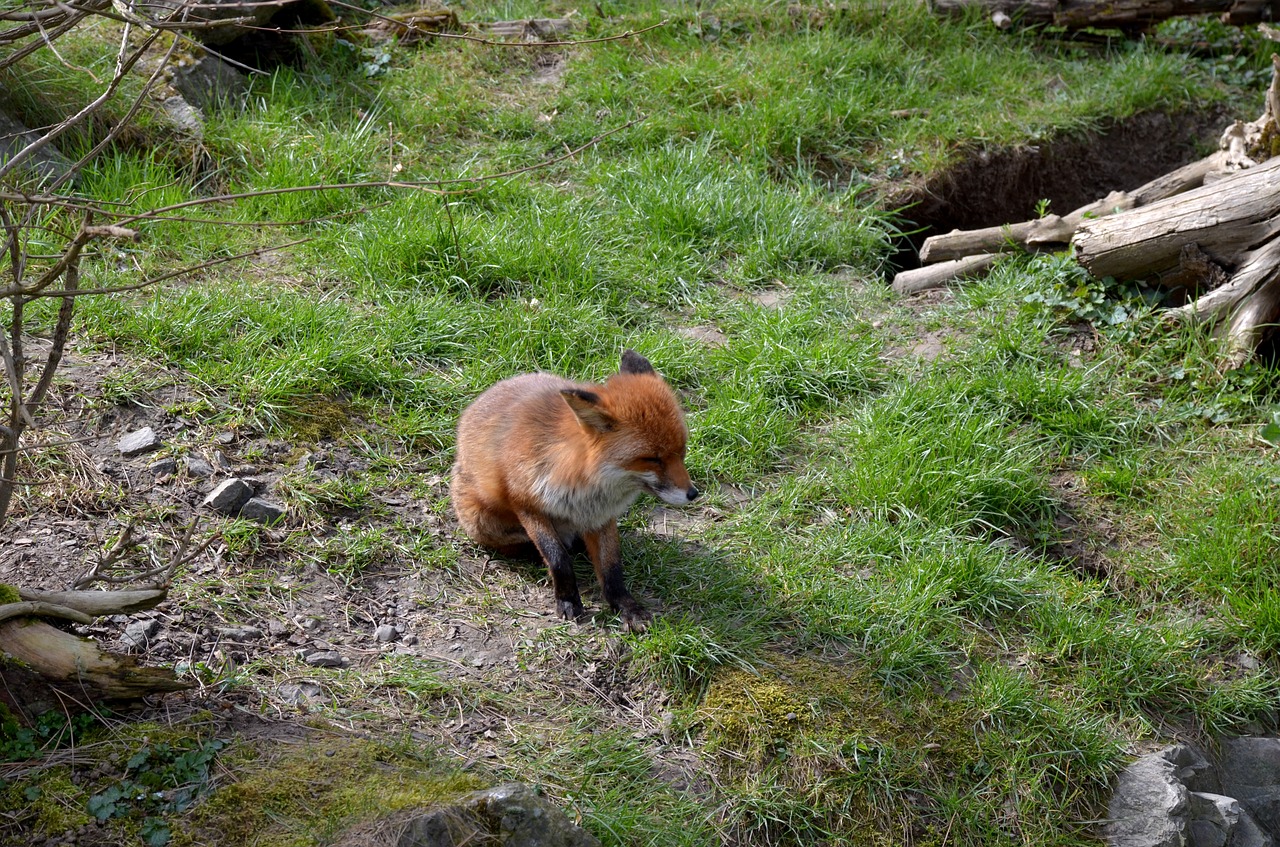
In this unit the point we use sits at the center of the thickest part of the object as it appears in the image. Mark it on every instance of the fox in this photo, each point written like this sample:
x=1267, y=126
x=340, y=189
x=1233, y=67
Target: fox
x=544, y=460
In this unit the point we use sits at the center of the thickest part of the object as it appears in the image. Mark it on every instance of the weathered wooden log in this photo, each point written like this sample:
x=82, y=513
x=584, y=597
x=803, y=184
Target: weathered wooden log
x=44, y=665
x=98, y=603
x=1107, y=14
x=1251, y=320
x=938, y=275
x=1049, y=230
x=1225, y=219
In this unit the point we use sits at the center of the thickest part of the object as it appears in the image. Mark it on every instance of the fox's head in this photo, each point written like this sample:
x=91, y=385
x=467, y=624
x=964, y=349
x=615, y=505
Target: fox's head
x=639, y=428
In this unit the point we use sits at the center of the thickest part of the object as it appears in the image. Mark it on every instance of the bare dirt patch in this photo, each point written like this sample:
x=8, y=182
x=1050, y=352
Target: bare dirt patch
x=361, y=610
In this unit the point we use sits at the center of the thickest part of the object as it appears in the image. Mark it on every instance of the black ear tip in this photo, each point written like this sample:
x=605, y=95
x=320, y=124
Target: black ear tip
x=581, y=394
x=634, y=363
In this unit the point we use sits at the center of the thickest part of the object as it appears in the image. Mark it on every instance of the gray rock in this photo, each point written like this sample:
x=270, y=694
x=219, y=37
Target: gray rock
x=198, y=467
x=1193, y=769
x=385, y=633
x=1250, y=769
x=165, y=467
x=239, y=633
x=208, y=83
x=512, y=815
x=302, y=691
x=1212, y=819
x=228, y=497
x=262, y=511
x=1248, y=833
x=183, y=117
x=325, y=659
x=1149, y=805
x=138, y=442
x=139, y=634
x=45, y=166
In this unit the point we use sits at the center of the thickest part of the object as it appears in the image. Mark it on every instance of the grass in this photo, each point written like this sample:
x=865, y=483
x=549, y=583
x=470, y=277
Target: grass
x=875, y=631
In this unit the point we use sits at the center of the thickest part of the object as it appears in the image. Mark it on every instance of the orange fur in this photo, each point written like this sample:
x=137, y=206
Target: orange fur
x=547, y=460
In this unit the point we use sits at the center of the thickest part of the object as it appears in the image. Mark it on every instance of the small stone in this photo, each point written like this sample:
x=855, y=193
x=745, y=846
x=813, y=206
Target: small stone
x=325, y=659
x=410, y=640
x=139, y=634
x=165, y=467
x=239, y=633
x=198, y=467
x=277, y=628
x=228, y=497
x=385, y=633
x=300, y=692
x=220, y=459
x=138, y=442
x=225, y=438
x=262, y=511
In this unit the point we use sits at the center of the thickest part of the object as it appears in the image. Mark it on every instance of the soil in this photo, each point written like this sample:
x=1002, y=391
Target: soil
x=257, y=607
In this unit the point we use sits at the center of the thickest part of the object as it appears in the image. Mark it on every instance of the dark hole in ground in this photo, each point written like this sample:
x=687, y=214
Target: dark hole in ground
x=997, y=187
x=281, y=40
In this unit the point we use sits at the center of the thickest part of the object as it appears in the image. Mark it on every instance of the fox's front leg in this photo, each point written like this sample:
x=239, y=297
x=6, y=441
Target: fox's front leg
x=606, y=555
x=559, y=564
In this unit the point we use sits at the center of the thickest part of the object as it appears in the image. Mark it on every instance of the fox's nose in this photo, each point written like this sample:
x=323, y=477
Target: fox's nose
x=692, y=493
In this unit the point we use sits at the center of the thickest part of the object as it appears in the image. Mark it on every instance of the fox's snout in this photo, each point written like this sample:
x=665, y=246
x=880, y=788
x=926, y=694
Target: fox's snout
x=677, y=496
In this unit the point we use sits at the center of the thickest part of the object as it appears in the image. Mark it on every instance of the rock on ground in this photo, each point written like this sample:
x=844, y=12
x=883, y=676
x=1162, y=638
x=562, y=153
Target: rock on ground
x=513, y=815
x=1172, y=799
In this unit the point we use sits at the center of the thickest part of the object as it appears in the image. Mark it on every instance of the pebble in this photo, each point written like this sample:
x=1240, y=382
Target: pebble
x=139, y=634
x=228, y=497
x=199, y=468
x=138, y=442
x=165, y=467
x=262, y=511
x=385, y=633
x=325, y=659
x=300, y=692
x=239, y=633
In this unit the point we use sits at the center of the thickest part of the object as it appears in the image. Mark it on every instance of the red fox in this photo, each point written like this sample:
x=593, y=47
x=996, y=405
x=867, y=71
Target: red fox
x=547, y=460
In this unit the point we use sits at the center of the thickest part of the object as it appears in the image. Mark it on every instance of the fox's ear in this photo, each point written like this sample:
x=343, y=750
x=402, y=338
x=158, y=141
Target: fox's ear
x=634, y=363
x=586, y=405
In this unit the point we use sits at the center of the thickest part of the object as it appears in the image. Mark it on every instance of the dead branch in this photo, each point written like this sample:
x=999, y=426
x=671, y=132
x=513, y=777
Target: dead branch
x=98, y=603
x=35, y=608
x=161, y=573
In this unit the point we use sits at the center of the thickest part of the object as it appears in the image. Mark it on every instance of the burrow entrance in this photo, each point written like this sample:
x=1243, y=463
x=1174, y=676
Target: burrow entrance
x=998, y=187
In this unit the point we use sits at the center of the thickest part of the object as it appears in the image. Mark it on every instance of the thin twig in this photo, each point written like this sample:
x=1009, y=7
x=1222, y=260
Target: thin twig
x=156, y=280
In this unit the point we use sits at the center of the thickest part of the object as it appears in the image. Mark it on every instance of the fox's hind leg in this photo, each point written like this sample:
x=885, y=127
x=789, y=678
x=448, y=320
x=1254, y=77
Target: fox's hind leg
x=486, y=526
x=559, y=564
x=606, y=554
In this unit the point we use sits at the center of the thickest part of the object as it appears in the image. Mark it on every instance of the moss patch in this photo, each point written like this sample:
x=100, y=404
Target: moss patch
x=320, y=418
x=819, y=742
x=8, y=594
x=304, y=794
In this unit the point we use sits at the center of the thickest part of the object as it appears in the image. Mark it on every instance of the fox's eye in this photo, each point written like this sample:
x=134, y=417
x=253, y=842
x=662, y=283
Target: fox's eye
x=653, y=460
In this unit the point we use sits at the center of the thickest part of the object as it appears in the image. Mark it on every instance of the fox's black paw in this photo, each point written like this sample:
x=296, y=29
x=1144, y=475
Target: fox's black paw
x=635, y=619
x=570, y=610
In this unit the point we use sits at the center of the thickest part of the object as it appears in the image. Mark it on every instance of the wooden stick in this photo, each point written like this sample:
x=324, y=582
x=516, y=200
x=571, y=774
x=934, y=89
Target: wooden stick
x=937, y=275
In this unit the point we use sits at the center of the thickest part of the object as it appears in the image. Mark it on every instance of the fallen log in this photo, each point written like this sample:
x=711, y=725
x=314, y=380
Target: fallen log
x=44, y=667
x=1211, y=227
x=1128, y=15
x=1046, y=231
